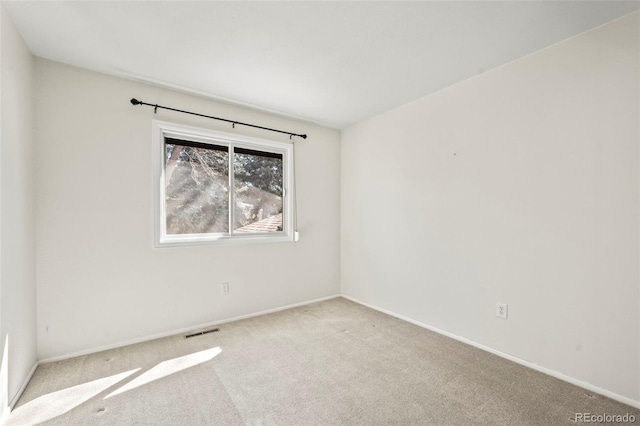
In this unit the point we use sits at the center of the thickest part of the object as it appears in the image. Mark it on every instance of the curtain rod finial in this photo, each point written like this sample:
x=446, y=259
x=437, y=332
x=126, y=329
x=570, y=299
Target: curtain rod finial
x=134, y=101
x=303, y=136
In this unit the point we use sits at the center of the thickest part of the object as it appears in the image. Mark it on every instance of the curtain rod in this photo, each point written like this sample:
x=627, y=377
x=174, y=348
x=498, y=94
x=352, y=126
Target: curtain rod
x=134, y=101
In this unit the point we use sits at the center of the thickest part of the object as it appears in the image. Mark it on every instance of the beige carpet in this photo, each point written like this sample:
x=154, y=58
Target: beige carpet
x=329, y=363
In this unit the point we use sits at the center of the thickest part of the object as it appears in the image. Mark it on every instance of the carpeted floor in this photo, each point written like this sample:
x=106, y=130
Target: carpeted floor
x=329, y=363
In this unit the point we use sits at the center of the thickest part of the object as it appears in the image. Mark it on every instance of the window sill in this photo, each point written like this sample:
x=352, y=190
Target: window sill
x=206, y=239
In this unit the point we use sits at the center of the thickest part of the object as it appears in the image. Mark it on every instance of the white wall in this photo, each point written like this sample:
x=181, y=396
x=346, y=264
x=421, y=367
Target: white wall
x=100, y=282
x=17, y=212
x=520, y=185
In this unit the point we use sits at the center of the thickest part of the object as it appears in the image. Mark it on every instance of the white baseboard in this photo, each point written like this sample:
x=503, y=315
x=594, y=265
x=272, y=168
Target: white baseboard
x=180, y=331
x=552, y=373
x=5, y=415
x=7, y=411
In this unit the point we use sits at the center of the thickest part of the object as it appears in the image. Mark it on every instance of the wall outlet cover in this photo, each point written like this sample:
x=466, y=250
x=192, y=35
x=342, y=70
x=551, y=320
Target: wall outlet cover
x=502, y=310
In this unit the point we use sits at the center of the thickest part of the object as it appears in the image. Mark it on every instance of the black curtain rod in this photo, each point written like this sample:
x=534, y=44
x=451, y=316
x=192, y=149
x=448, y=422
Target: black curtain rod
x=134, y=101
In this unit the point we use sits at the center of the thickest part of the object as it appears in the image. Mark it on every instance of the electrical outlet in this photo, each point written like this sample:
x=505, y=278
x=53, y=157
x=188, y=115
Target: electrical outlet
x=224, y=288
x=501, y=310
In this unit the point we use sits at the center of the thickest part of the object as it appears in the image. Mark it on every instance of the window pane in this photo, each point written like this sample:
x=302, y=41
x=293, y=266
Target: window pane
x=197, y=188
x=258, y=191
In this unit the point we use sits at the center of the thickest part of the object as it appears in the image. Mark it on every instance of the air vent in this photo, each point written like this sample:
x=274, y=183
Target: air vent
x=200, y=333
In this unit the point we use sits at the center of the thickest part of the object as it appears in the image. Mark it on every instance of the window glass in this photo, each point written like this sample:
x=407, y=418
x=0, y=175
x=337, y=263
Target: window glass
x=196, y=188
x=257, y=191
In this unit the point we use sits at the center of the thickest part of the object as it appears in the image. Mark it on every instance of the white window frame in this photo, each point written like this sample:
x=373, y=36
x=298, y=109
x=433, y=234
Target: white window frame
x=162, y=130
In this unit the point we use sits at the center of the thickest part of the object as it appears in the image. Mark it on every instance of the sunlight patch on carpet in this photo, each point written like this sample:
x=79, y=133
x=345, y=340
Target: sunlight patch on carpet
x=54, y=404
x=166, y=368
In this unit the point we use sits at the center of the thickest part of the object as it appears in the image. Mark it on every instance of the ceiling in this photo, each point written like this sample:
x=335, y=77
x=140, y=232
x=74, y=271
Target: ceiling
x=330, y=62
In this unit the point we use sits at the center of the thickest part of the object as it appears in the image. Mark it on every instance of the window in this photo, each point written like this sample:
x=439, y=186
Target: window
x=214, y=187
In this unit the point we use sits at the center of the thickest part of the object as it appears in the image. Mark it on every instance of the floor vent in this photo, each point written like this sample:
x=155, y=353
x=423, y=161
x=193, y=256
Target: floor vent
x=200, y=333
